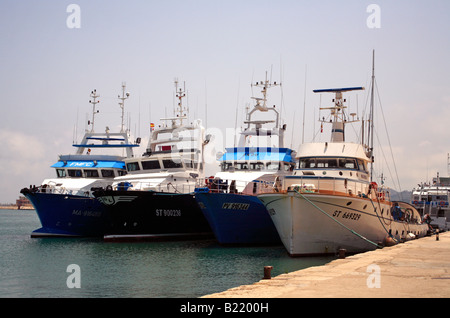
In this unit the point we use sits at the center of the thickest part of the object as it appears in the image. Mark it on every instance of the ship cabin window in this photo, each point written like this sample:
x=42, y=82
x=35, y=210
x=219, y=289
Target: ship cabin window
x=74, y=173
x=288, y=166
x=440, y=198
x=150, y=164
x=121, y=172
x=133, y=166
x=273, y=166
x=362, y=165
x=331, y=163
x=168, y=164
x=241, y=165
x=107, y=173
x=226, y=166
x=257, y=166
x=90, y=173
x=61, y=173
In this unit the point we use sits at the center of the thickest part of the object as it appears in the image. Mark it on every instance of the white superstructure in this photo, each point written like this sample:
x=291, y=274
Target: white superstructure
x=173, y=161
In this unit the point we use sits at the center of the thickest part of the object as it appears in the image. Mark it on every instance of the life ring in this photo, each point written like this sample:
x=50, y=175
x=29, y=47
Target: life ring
x=442, y=203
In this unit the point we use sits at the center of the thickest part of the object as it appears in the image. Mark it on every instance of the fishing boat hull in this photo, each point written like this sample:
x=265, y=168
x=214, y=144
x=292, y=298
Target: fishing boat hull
x=150, y=216
x=64, y=215
x=237, y=218
x=317, y=224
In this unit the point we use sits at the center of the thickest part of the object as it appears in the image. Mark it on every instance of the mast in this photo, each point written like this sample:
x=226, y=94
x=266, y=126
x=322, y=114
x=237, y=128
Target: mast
x=122, y=104
x=337, y=112
x=371, y=116
x=265, y=85
x=261, y=105
x=94, y=102
x=180, y=94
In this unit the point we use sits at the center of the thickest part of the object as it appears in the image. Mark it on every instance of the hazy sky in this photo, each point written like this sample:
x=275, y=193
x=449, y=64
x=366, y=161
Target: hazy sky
x=48, y=68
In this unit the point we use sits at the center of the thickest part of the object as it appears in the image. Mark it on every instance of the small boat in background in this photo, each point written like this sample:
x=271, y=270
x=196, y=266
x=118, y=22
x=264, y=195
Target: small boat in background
x=431, y=200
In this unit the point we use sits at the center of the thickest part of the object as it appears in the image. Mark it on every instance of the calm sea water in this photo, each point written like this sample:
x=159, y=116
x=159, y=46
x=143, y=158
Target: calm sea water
x=37, y=267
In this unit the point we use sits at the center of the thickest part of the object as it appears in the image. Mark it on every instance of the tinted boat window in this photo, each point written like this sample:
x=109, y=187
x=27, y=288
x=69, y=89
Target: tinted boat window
x=74, y=173
x=61, y=173
x=133, y=166
x=107, y=173
x=151, y=164
x=91, y=173
x=172, y=164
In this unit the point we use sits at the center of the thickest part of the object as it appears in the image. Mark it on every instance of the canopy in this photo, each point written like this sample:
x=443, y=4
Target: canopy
x=257, y=154
x=89, y=164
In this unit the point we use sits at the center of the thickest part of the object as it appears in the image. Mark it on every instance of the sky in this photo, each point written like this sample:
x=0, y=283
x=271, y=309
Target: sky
x=52, y=56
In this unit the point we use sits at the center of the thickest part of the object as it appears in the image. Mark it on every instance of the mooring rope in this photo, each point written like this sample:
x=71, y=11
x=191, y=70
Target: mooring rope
x=347, y=228
x=375, y=209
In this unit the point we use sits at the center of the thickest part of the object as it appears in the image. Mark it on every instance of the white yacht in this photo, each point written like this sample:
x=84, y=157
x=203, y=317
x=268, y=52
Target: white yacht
x=331, y=203
x=431, y=200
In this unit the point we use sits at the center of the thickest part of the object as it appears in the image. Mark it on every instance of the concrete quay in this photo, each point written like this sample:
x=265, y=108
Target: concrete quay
x=415, y=269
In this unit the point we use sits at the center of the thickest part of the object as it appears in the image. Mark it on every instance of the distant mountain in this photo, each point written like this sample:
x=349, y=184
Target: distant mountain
x=404, y=196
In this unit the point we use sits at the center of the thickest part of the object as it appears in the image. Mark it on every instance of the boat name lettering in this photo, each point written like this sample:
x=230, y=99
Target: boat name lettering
x=235, y=206
x=347, y=215
x=87, y=213
x=165, y=212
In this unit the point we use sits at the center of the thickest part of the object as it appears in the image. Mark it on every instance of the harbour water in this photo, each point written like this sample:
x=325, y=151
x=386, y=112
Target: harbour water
x=38, y=267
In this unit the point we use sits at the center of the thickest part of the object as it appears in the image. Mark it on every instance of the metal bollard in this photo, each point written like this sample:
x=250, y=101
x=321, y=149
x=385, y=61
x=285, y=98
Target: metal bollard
x=267, y=270
x=437, y=235
x=342, y=252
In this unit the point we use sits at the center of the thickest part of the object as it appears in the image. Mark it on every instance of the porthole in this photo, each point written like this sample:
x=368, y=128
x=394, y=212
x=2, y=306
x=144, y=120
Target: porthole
x=349, y=202
x=364, y=207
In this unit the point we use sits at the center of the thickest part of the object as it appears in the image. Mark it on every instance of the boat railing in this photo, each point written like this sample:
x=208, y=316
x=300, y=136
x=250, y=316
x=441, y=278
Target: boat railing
x=337, y=186
x=51, y=188
x=169, y=187
x=254, y=187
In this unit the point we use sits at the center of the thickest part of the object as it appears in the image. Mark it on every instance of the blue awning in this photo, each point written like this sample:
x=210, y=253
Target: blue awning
x=90, y=164
x=257, y=154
